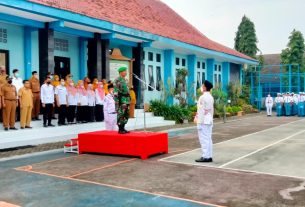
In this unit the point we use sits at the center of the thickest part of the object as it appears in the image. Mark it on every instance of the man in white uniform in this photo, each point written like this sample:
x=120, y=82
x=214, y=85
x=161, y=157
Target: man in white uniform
x=61, y=97
x=18, y=83
x=110, y=114
x=204, y=119
x=47, y=100
x=269, y=104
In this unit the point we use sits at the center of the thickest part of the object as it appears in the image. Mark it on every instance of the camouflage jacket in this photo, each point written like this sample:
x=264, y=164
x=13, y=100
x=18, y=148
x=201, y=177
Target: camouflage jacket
x=121, y=91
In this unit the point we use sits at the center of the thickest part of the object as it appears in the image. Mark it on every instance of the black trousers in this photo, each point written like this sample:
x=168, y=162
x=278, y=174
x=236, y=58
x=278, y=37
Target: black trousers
x=71, y=110
x=99, y=113
x=18, y=113
x=82, y=113
x=90, y=117
x=47, y=114
x=62, y=114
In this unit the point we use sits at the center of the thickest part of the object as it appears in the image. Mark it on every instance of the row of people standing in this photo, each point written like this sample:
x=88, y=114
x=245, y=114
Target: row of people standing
x=287, y=104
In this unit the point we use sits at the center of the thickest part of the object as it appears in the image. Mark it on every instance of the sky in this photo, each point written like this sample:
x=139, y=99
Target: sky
x=219, y=19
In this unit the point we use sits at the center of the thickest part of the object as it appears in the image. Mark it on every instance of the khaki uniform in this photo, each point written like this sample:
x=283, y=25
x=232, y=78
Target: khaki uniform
x=3, y=79
x=133, y=101
x=9, y=94
x=2, y=82
x=26, y=106
x=35, y=86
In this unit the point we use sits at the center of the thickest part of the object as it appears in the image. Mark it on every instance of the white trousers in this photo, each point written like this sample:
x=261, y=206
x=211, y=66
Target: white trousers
x=269, y=110
x=205, y=139
x=111, y=122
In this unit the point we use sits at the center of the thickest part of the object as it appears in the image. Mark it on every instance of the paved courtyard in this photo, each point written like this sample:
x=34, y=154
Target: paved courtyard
x=259, y=161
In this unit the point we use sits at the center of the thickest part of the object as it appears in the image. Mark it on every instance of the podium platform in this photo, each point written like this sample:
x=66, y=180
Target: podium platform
x=140, y=144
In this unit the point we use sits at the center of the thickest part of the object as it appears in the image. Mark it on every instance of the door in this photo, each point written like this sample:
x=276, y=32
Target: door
x=62, y=66
x=4, y=60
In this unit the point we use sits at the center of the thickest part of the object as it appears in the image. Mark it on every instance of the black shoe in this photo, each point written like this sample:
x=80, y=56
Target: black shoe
x=6, y=128
x=28, y=127
x=37, y=119
x=204, y=160
x=51, y=125
x=124, y=130
x=13, y=128
x=45, y=125
x=22, y=128
x=54, y=117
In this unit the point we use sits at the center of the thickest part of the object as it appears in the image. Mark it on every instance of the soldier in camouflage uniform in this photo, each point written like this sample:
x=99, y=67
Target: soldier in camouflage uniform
x=122, y=100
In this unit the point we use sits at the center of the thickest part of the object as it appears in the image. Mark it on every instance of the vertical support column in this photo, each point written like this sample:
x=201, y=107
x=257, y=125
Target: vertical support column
x=289, y=76
x=46, y=51
x=191, y=78
x=27, y=52
x=82, y=57
x=210, y=70
x=241, y=73
x=94, y=63
x=299, y=79
x=169, y=74
x=259, y=96
x=226, y=75
x=138, y=69
x=105, y=59
x=252, y=89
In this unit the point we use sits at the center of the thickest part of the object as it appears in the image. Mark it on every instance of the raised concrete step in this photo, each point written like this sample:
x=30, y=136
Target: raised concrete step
x=40, y=135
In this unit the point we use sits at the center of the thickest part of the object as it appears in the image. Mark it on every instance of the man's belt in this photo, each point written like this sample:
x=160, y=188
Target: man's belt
x=10, y=99
x=37, y=92
x=112, y=113
x=124, y=95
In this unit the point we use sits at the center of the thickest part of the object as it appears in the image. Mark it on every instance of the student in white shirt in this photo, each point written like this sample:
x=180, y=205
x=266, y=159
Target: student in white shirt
x=61, y=96
x=269, y=105
x=18, y=83
x=99, y=99
x=204, y=119
x=47, y=100
x=91, y=103
x=72, y=102
x=110, y=114
x=279, y=104
x=82, y=106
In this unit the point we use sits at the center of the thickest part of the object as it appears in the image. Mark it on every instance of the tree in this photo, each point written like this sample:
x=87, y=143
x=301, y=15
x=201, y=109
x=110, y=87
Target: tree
x=294, y=53
x=246, y=40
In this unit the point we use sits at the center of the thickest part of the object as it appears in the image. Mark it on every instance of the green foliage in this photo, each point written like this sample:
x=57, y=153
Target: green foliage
x=294, y=53
x=180, y=89
x=247, y=108
x=246, y=40
x=234, y=92
x=174, y=112
x=220, y=100
x=236, y=109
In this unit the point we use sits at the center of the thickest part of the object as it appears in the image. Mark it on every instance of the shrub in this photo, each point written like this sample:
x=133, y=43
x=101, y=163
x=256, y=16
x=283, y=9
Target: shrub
x=247, y=108
x=229, y=109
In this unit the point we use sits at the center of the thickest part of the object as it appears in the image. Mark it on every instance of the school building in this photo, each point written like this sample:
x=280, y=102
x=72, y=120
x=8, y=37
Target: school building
x=95, y=37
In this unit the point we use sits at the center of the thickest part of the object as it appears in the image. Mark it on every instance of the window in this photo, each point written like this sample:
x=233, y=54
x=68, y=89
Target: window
x=150, y=56
x=203, y=65
x=143, y=55
x=203, y=77
x=158, y=57
x=219, y=68
x=3, y=35
x=198, y=79
x=217, y=74
x=159, y=78
x=151, y=79
x=177, y=61
x=215, y=67
x=183, y=62
x=61, y=44
x=198, y=64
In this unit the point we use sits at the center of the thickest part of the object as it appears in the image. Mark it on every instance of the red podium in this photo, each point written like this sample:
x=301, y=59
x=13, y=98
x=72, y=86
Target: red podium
x=142, y=144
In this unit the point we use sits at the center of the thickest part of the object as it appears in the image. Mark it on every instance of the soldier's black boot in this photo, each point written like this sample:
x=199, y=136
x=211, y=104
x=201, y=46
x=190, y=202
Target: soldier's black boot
x=125, y=129
x=121, y=129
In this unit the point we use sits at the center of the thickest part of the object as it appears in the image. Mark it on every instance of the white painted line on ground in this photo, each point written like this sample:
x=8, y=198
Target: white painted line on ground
x=234, y=169
x=31, y=155
x=261, y=149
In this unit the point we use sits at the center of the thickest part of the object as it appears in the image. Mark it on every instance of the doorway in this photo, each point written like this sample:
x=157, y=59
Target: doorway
x=62, y=66
x=4, y=60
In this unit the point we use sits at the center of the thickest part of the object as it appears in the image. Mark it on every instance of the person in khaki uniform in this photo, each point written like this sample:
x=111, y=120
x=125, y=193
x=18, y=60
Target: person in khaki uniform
x=9, y=103
x=35, y=86
x=26, y=105
x=3, y=81
x=133, y=101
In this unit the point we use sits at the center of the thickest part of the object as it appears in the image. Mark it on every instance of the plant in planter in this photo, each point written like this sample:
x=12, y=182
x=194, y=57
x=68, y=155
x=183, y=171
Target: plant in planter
x=180, y=91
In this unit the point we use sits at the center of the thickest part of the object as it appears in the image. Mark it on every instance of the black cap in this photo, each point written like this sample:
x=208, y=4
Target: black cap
x=15, y=70
x=208, y=85
x=110, y=85
x=34, y=72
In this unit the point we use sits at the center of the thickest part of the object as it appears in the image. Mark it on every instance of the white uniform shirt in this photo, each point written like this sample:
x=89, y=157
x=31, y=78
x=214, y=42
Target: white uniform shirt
x=17, y=82
x=109, y=104
x=269, y=101
x=98, y=99
x=91, y=99
x=295, y=99
x=287, y=99
x=83, y=99
x=61, y=91
x=279, y=99
x=302, y=98
x=72, y=99
x=205, y=109
x=47, y=94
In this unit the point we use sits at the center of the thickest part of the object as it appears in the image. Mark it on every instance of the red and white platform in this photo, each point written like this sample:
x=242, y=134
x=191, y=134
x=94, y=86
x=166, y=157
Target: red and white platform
x=141, y=144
